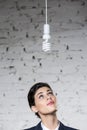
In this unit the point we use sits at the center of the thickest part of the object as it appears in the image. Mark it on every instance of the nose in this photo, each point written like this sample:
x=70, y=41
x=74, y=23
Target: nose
x=48, y=96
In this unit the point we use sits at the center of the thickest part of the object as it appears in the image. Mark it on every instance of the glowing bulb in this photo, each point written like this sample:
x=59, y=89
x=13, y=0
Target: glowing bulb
x=46, y=46
x=46, y=36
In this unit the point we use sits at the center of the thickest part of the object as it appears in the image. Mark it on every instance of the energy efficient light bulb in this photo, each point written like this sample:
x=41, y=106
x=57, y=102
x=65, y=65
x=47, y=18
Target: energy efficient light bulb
x=46, y=36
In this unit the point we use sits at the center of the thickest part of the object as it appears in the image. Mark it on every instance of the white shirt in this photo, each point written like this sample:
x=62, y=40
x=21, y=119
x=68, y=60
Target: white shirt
x=45, y=128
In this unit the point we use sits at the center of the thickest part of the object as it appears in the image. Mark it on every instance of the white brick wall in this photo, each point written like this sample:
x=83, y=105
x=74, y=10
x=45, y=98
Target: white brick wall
x=22, y=62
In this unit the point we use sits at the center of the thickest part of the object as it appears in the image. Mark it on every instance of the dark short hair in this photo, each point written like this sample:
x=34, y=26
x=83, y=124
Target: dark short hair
x=32, y=92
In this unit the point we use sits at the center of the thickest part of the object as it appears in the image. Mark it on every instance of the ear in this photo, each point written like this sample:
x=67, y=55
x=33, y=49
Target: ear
x=34, y=109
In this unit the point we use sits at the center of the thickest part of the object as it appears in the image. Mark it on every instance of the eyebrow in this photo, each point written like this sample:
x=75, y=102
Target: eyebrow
x=43, y=92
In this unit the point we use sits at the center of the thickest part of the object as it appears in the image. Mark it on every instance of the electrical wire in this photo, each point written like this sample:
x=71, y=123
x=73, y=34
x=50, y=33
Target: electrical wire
x=46, y=10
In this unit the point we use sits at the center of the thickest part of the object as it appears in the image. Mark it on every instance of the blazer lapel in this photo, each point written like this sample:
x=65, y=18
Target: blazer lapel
x=61, y=127
x=38, y=127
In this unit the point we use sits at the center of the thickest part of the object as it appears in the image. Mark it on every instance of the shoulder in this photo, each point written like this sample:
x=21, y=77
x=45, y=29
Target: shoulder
x=32, y=128
x=37, y=127
x=64, y=127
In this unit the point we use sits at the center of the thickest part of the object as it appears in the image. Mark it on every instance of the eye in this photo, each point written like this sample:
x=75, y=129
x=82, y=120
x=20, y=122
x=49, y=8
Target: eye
x=41, y=96
x=50, y=93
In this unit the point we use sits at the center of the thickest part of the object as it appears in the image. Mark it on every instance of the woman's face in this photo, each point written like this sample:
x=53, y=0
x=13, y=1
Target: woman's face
x=45, y=101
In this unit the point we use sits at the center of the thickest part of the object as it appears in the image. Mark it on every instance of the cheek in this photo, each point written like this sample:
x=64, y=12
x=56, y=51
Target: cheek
x=39, y=104
x=55, y=100
x=40, y=107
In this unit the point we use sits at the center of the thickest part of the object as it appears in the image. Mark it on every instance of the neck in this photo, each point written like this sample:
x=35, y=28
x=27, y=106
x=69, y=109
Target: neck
x=50, y=121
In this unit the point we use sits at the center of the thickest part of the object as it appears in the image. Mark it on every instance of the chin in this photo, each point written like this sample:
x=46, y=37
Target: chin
x=53, y=111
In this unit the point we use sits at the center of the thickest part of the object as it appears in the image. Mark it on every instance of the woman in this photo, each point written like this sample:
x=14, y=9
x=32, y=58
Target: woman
x=42, y=102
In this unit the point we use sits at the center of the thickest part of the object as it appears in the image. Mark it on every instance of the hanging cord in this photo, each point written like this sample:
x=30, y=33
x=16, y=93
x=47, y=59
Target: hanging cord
x=46, y=10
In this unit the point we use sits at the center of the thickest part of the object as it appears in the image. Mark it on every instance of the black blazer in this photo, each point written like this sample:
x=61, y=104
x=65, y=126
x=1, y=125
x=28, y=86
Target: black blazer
x=62, y=127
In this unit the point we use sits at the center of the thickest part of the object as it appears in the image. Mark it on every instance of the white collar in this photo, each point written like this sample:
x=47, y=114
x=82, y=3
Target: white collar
x=45, y=128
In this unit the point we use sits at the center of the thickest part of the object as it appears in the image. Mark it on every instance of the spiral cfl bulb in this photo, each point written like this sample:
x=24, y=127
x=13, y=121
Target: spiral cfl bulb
x=46, y=36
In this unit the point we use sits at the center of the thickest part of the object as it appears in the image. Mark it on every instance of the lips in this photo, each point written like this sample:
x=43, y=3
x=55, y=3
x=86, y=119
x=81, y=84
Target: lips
x=50, y=103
